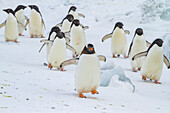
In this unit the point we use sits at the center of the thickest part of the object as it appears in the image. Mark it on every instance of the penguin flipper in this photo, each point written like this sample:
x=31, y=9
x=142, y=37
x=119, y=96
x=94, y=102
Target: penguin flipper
x=166, y=61
x=106, y=37
x=148, y=43
x=140, y=55
x=20, y=24
x=130, y=47
x=67, y=34
x=42, y=47
x=43, y=24
x=84, y=27
x=67, y=40
x=59, y=25
x=81, y=15
x=46, y=41
x=101, y=58
x=28, y=21
x=3, y=24
x=26, y=18
x=69, y=62
x=71, y=48
x=127, y=32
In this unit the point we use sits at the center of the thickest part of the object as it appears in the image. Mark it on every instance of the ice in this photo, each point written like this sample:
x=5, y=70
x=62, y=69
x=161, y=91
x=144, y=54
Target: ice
x=166, y=45
x=109, y=71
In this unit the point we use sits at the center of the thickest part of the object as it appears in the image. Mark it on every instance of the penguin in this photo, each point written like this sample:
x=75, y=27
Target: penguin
x=138, y=44
x=36, y=22
x=118, y=40
x=66, y=23
x=153, y=63
x=57, y=52
x=11, y=26
x=78, y=39
x=88, y=72
x=19, y=14
x=73, y=12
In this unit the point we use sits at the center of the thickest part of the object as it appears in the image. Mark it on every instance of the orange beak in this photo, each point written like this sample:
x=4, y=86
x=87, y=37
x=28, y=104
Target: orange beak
x=91, y=49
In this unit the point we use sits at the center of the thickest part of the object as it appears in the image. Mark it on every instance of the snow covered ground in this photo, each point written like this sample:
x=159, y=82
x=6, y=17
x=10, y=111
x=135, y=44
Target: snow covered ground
x=26, y=85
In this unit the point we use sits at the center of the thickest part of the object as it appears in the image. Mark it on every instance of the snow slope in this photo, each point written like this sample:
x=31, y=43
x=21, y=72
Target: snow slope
x=29, y=86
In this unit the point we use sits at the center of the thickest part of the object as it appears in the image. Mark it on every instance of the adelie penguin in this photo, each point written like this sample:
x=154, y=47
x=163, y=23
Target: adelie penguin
x=118, y=40
x=57, y=52
x=19, y=14
x=88, y=72
x=73, y=12
x=138, y=44
x=36, y=22
x=11, y=26
x=78, y=39
x=153, y=63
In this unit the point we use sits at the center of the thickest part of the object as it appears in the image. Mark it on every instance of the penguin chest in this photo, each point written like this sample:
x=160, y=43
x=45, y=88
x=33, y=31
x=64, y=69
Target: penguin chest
x=88, y=74
x=75, y=14
x=118, y=41
x=21, y=18
x=57, y=53
x=66, y=26
x=11, y=28
x=35, y=20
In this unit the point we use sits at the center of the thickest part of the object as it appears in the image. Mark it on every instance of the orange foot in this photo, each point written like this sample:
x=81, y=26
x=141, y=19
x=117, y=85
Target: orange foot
x=50, y=66
x=94, y=92
x=125, y=56
x=114, y=56
x=42, y=36
x=156, y=82
x=81, y=95
x=21, y=35
x=62, y=69
x=134, y=70
x=16, y=41
x=143, y=78
x=7, y=40
x=139, y=68
x=74, y=56
x=32, y=36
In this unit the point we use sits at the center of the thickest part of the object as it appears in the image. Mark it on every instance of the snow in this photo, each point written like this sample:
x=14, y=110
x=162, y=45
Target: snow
x=27, y=86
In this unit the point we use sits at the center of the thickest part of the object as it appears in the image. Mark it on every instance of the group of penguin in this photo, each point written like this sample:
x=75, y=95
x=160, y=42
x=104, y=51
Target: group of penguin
x=69, y=34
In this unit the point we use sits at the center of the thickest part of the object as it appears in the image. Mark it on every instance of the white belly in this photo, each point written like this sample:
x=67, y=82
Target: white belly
x=88, y=74
x=78, y=40
x=57, y=53
x=139, y=45
x=66, y=26
x=11, y=28
x=153, y=64
x=75, y=14
x=35, y=25
x=21, y=18
x=118, y=42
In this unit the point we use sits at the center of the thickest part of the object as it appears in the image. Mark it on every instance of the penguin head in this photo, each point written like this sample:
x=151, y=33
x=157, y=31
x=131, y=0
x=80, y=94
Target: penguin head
x=139, y=31
x=158, y=41
x=60, y=35
x=70, y=17
x=72, y=8
x=55, y=29
x=20, y=7
x=9, y=11
x=76, y=22
x=119, y=25
x=34, y=7
x=88, y=49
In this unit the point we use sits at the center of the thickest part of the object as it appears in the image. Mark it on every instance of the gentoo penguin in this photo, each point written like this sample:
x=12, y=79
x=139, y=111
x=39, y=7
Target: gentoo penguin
x=36, y=22
x=57, y=52
x=11, y=26
x=118, y=41
x=78, y=40
x=138, y=44
x=19, y=14
x=88, y=73
x=153, y=63
x=66, y=23
x=73, y=12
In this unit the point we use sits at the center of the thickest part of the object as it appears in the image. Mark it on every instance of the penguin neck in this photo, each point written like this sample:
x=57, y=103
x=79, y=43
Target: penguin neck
x=66, y=26
x=139, y=38
x=118, y=30
x=19, y=13
x=11, y=16
x=156, y=52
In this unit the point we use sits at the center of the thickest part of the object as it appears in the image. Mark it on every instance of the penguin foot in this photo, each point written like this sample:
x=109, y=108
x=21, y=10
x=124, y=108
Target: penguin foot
x=50, y=66
x=114, y=56
x=134, y=70
x=7, y=40
x=143, y=78
x=125, y=56
x=62, y=69
x=32, y=36
x=74, y=56
x=42, y=36
x=21, y=35
x=81, y=95
x=16, y=41
x=94, y=92
x=139, y=68
x=156, y=82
